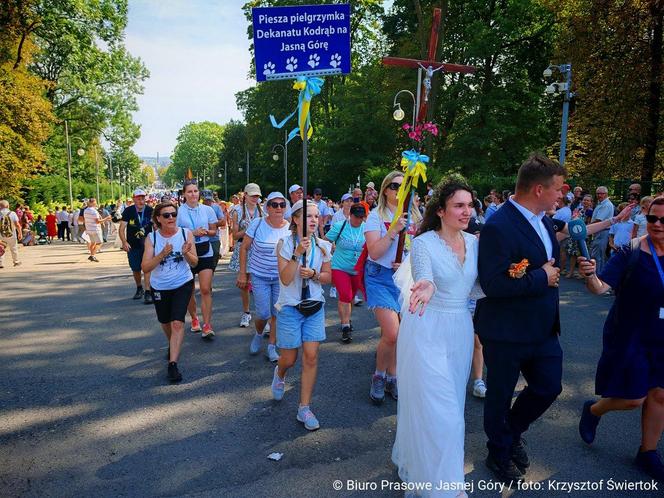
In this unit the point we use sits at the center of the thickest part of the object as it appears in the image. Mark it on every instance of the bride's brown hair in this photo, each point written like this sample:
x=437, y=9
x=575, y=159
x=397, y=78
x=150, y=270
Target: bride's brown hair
x=445, y=189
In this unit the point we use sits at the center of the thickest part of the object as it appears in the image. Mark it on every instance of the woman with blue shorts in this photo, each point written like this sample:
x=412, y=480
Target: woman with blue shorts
x=258, y=262
x=382, y=293
x=301, y=316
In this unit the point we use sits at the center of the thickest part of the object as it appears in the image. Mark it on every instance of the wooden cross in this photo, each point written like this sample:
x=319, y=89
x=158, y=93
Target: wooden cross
x=430, y=66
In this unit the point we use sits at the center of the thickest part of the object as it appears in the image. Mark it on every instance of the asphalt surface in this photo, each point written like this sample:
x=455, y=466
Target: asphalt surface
x=85, y=408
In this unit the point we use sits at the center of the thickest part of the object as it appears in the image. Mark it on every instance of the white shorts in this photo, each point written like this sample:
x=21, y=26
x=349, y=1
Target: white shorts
x=96, y=236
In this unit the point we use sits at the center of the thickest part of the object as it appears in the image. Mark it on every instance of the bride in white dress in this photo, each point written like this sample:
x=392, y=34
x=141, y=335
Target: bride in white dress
x=435, y=345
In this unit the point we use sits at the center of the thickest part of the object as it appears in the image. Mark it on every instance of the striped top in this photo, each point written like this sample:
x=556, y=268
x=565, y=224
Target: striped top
x=262, y=258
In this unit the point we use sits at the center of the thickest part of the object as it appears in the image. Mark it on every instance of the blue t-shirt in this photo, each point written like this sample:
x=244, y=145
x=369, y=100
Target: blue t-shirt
x=349, y=243
x=220, y=216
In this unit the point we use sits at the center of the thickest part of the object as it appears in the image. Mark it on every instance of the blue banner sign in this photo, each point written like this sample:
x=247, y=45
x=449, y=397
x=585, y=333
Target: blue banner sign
x=302, y=40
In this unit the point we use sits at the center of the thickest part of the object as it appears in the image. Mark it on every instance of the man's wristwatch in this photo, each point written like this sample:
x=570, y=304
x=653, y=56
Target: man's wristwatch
x=294, y=257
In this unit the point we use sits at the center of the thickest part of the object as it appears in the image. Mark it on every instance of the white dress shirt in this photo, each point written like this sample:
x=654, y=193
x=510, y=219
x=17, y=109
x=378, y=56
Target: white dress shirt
x=536, y=222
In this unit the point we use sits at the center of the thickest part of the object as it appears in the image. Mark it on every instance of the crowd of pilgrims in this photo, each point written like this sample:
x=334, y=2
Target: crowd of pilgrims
x=350, y=252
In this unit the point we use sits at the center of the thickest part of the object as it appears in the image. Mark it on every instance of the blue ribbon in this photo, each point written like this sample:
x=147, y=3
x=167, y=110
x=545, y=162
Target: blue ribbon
x=309, y=87
x=413, y=157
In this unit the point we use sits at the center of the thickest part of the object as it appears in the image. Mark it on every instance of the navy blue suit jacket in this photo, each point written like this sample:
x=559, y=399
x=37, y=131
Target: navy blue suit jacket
x=520, y=310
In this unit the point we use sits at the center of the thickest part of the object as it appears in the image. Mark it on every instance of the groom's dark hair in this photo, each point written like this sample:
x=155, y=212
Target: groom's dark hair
x=538, y=170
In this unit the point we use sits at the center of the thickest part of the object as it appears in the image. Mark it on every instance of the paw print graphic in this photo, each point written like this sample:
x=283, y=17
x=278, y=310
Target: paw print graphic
x=268, y=68
x=291, y=64
x=314, y=60
x=335, y=61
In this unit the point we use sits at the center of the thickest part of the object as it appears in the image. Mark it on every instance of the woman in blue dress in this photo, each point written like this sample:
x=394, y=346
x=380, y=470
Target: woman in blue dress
x=630, y=372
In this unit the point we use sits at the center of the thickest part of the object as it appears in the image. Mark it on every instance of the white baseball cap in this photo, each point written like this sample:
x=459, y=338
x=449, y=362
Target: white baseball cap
x=299, y=204
x=275, y=195
x=294, y=188
x=371, y=185
x=346, y=196
x=139, y=192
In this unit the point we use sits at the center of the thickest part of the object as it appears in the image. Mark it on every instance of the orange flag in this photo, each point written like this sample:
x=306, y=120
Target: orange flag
x=189, y=174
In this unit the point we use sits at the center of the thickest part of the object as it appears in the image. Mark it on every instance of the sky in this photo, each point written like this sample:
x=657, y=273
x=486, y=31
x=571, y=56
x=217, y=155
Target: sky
x=197, y=52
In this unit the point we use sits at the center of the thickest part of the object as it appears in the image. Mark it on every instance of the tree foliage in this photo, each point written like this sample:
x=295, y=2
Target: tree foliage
x=198, y=149
x=75, y=50
x=25, y=113
x=610, y=45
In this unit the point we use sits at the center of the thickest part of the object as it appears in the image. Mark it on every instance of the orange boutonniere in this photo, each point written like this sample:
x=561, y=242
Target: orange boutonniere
x=518, y=270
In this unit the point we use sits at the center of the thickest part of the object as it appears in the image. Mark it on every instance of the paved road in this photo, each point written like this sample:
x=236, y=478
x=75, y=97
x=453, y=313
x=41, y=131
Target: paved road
x=85, y=409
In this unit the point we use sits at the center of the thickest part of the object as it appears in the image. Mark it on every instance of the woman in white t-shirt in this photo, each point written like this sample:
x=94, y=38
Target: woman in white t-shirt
x=639, y=222
x=241, y=216
x=343, y=213
x=382, y=293
x=168, y=256
x=202, y=221
x=301, y=315
x=258, y=268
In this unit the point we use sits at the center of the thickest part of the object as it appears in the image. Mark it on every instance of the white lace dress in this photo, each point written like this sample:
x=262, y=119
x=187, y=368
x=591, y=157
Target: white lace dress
x=434, y=354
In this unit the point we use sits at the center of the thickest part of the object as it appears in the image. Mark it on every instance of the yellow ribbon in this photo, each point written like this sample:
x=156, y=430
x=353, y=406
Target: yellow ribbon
x=414, y=167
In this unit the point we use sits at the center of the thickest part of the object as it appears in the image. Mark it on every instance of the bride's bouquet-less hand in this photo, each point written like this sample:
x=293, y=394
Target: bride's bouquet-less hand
x=421, y=294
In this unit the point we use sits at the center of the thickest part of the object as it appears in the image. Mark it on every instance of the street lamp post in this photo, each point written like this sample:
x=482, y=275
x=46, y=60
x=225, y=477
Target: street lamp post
x=247, y=166
x=398, y=113
x=80, y=152
x=275, y=156
x=225, y=183
x=97, y=172
x=110, y=168
x=556, y=88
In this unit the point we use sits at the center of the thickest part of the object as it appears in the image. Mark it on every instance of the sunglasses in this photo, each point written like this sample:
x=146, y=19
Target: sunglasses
x=168, y=215
x=394, y=186
x=651, y=218
x=358, y=212
x=275, y=205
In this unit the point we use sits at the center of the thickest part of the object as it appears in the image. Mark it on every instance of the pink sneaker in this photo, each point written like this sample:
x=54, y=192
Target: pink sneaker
x=208, y=333
x=195, y=325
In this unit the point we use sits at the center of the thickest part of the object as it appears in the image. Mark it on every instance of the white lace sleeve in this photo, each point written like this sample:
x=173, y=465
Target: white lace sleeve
x=420, y=261
x=476, y=293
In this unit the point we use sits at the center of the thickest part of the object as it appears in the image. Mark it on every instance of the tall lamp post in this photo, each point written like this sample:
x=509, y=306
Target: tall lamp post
x=275, y=156
x=225, y=182
x=398, y=113
x=80, y=152
x=564, y=88
x=110, y=168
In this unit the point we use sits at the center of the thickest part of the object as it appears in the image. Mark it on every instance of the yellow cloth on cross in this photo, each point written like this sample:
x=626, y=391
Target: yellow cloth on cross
x=414, y=167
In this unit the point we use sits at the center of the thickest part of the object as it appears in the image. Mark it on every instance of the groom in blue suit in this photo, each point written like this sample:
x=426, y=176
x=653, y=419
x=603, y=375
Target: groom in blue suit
x=518, y=321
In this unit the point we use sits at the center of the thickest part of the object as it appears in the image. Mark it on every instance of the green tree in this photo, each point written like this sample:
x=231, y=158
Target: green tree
x=616, y=53
x=198, y=148
x=25, y=113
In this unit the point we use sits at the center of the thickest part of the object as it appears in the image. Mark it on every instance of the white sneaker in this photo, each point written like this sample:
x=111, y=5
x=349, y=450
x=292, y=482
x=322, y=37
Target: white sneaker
x=246, y=318
x=479, y=388
x=357, y=301
x=266, y=329
x=333, y=292
x=255, y=345
x=271, y=353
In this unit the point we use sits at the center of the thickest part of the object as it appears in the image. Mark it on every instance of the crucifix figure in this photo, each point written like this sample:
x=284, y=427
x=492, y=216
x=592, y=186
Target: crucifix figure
x=429, y=66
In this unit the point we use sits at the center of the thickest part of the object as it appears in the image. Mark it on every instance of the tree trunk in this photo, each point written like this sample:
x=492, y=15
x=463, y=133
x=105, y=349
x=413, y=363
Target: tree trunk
x=654, y=94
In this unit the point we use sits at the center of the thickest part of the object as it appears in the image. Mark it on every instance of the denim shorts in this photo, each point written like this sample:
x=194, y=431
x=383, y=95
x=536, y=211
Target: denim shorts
x=266, y=294
x=293, y=328
x=381, y=291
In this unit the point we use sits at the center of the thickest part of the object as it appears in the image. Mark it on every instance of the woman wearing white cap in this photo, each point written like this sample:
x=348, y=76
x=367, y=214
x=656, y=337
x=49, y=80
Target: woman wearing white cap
x=344, y=213
x=260, y=265
x=301, y=315
x=242, y=216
